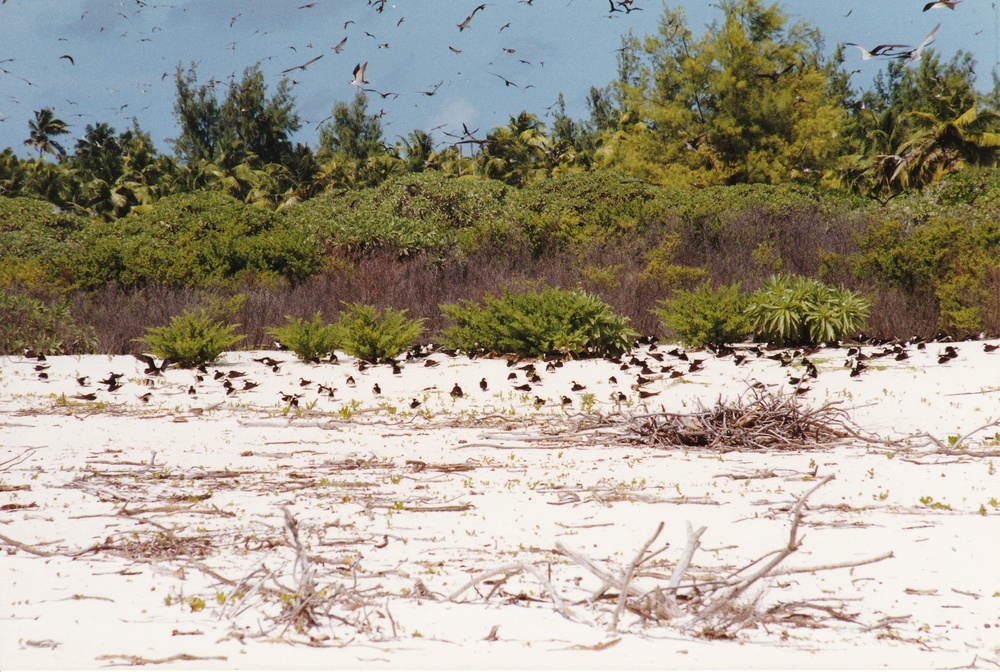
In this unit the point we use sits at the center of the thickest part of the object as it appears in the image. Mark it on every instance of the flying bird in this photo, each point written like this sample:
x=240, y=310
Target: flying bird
x=68, y=58
x=914, y=55
x=433, y=90
x=303, y=66
x=340, y=45
x=383, y=95
x=880, y=50
x=152, y=368
x=506, y=82
x=359, y=74
x=941, y=4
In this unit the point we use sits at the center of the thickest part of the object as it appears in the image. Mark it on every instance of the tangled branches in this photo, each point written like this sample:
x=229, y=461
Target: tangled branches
x=758, y=421
x=710, y=606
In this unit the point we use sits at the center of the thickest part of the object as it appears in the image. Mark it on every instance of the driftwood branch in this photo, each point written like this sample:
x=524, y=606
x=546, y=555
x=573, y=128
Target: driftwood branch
x=779, y=555
x=629, y=573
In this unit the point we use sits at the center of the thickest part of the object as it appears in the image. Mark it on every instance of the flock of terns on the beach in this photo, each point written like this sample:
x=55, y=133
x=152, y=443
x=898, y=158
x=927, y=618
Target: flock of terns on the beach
x=642, y=372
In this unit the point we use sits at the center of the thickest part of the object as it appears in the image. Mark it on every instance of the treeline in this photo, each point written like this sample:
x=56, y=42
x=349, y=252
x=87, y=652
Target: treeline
x=753, y=100
x=725, y=158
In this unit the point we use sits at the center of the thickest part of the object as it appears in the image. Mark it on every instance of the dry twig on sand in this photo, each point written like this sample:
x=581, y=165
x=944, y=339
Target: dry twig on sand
x=958, y=445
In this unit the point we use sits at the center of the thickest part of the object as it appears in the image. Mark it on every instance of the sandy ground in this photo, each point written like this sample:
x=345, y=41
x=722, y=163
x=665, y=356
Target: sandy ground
x=185, y=528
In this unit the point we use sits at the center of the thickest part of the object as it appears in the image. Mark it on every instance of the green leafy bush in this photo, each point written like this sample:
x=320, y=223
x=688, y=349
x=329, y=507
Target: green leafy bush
x=367, y=334
x=33, y=239
x=706, y=316
x=957, y=259
x=48, y=328
x=193, y=240
x=533, y=324
x=310, y=341
x=194, y=338
x=796, y=310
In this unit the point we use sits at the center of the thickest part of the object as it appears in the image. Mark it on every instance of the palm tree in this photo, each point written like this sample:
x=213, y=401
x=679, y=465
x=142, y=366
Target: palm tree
x=938, y=147
x=416, y=149
x=43, y=127
x=513, y=152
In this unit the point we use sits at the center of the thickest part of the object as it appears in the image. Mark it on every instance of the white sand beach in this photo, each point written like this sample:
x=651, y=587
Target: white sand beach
x=197, y=528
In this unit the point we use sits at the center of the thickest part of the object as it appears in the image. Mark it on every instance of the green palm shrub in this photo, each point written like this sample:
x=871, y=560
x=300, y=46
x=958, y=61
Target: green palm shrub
x=194, y=338
x=795, y=310
x=374, y=336
x=706, y=316
x=309, y=340
x=534, y=324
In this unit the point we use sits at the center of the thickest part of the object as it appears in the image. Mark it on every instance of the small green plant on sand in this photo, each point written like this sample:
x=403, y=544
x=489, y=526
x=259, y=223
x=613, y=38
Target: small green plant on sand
x=374, y=336
x=310, y=340
x=533, y=324
x=194, y=338
x=794, y=310
x=706, y=316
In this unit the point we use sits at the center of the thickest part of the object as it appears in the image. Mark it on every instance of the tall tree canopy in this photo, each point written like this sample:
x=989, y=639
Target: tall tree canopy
x=749, y=101
x=353, y=133
x=245, y=123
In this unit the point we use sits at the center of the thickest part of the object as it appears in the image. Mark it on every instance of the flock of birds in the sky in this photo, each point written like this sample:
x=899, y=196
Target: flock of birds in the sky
x=905, y=51
x=643, y=373
x=367, y=79
x=358, y=75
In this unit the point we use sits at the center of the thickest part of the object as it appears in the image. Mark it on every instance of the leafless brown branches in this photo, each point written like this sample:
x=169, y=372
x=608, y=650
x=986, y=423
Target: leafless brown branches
x=755, y=421
x=711, y=607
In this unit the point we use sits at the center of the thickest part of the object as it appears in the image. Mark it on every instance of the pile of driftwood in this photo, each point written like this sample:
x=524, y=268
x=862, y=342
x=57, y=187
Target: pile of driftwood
x=757, y=420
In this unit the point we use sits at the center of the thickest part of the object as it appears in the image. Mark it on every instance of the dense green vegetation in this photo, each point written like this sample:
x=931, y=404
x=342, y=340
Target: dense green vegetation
x=793, y=310
x=311, y=340
x=717, y=159
x=195, y=337
x=535, y=324
x=376, y=336
x=706, y=316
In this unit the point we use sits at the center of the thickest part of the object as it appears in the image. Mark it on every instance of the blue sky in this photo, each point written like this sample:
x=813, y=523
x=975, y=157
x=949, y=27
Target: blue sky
x=125, y=54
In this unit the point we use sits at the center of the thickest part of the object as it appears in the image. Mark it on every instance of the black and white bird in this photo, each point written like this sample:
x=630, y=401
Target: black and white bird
x=914, y=55
x=941, y=4
x=880, y=50
x=359, y=74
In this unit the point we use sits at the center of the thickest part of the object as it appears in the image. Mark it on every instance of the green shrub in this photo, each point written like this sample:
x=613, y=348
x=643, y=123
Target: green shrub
x=310, y=341
x=533, y=324
x=195, y=338
x=193, y=240
x=367, y=334
x=27, y=323
x=33, y=239
x=795, y=310
x=706, y=316
x=955, y=258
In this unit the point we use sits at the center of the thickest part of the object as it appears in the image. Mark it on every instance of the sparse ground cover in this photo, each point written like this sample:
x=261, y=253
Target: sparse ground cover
x=287, y=526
